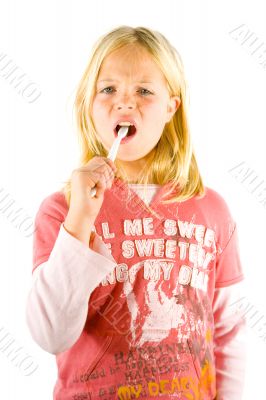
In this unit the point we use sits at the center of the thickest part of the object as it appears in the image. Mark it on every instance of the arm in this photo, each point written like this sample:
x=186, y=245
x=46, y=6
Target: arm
x=229, y=342
x=57, y=304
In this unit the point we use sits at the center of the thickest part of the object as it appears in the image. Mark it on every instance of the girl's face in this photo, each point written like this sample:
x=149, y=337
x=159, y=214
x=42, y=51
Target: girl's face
x=130, y=86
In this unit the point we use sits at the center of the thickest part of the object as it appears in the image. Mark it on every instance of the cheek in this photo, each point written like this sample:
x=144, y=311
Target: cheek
x=160, y=112
x=151, y=112
x=154, y=106
x=98, y=109
x=102, y=99
x=158, y=115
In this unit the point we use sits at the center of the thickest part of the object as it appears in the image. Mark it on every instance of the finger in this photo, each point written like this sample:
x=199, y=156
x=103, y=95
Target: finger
x=100, y=186
x=111, y=178
x=110, y=172
x=105, y=174
x=109, y=175
x=112, y=164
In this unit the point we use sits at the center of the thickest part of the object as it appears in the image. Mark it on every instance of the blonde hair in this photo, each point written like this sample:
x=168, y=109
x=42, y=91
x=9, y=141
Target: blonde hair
x=172, y=159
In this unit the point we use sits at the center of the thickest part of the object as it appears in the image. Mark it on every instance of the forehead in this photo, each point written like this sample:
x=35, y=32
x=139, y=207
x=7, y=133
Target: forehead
x=130, y=61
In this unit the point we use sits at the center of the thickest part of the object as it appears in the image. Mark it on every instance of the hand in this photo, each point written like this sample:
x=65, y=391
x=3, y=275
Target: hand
x=99, y=171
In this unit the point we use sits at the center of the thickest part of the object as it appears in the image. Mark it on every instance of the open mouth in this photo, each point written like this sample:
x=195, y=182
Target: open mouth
x=131, y=130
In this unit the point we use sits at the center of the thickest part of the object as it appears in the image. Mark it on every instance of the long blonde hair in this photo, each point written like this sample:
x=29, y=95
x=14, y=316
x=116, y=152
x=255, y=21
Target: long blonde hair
x=172, y=159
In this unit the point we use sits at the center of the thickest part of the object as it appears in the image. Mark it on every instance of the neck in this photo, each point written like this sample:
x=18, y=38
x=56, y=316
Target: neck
x=132, y=171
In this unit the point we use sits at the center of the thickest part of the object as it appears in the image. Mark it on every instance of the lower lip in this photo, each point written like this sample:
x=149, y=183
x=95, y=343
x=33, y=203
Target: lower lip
x=126, y=139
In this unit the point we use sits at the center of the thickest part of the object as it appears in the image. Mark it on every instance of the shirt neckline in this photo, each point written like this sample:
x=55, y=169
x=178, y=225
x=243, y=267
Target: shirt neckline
x=155, y=200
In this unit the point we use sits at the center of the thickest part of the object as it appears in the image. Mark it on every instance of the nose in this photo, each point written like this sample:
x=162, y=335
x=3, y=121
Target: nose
x=125, y=101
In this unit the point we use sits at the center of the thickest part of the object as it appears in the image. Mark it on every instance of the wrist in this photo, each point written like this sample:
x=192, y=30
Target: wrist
x=79, y=227
x=77, y=219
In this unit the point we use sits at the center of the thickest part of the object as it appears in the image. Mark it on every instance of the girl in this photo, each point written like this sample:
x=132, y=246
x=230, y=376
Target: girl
x=132, y=288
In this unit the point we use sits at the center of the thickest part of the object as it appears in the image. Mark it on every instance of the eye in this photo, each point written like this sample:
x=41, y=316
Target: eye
x=109, y=87
x=147, y=91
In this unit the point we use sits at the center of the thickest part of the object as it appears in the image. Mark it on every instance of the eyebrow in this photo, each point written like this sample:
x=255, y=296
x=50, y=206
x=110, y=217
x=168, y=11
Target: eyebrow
x=114, y=80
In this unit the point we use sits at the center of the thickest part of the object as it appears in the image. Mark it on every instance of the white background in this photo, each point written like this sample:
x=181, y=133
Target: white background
x=51, y=41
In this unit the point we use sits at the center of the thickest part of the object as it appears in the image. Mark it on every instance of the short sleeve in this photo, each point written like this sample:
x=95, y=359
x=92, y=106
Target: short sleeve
x=48, y=220
x=228, y=263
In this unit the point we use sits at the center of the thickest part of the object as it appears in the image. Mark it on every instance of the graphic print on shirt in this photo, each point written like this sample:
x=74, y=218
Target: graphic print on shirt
x=198, y=252
x=160, y=307
x=157, y=368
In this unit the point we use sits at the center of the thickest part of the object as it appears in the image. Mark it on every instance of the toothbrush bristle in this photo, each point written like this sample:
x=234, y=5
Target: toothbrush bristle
x=123, y=131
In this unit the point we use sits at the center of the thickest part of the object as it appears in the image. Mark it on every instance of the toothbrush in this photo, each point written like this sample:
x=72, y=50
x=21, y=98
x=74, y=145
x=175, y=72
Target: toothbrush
x=122, y=133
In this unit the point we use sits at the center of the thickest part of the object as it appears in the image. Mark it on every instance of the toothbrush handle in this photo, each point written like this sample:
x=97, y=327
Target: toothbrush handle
x=114, y=149
x=111, y=155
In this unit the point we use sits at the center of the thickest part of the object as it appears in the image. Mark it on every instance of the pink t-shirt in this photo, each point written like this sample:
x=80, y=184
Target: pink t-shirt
x=136, y=308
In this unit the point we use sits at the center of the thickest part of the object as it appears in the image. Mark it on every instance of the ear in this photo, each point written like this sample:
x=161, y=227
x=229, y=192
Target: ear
x=173, y=104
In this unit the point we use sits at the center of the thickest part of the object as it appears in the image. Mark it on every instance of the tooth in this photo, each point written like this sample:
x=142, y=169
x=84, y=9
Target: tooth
x=125, y=123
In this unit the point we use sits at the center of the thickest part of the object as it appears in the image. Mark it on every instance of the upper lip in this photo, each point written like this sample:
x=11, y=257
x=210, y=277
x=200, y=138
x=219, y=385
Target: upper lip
x=125, y=119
